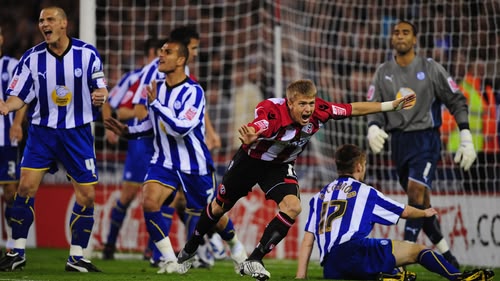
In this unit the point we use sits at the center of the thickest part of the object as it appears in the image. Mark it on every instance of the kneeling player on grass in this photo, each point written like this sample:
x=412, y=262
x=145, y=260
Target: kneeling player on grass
x=271, y=144
x=341, y=217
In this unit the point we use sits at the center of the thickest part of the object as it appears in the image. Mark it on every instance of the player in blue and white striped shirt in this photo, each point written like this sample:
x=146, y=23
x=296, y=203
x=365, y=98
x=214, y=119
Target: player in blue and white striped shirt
x=189, y=37
x=10, y=134
x=181, y=158
x=341, y=217
x=63, y=82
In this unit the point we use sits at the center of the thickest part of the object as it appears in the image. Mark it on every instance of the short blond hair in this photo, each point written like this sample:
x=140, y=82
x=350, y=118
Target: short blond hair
x=303, y=87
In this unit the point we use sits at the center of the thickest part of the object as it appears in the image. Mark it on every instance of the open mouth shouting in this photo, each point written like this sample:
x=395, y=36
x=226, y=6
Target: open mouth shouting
x=47, y=34
x=305, y=118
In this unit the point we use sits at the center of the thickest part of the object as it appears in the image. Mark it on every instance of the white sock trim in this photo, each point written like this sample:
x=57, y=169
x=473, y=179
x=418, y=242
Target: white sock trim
x=75, y=250
x=20, y=243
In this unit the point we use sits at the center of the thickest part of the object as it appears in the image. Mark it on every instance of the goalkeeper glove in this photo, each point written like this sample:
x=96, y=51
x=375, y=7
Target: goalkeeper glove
x=465, y=153
x=376, y=138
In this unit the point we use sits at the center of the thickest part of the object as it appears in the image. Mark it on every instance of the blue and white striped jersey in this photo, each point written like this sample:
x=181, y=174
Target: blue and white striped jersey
x=58, y=88
x=347, y=209
x=122, y=94
x=7, y=66
x=177, y=119
x=149, y=74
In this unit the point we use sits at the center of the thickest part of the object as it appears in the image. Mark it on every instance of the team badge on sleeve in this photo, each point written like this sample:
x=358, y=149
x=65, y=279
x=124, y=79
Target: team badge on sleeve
x=452, y=84
x=191, y=113
x=13, y=83
x=339, y=110
x=262, y=125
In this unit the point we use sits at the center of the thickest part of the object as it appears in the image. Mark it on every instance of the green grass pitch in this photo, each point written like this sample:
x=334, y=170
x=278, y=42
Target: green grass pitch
x=48, y=264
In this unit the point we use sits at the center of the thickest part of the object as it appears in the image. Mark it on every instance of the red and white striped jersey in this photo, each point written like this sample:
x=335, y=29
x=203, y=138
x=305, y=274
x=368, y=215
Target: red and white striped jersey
x=281, y=139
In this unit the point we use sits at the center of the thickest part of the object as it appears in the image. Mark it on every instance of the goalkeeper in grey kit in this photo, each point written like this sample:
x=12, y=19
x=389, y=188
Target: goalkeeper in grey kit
x=415, y=137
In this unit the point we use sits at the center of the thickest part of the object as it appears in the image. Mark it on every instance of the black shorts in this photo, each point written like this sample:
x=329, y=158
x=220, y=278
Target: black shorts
x=276, y=179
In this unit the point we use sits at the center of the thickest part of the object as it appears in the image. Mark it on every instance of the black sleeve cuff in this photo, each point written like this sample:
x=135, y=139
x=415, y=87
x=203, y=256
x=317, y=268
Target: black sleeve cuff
x=463, y=126
x=374, y=123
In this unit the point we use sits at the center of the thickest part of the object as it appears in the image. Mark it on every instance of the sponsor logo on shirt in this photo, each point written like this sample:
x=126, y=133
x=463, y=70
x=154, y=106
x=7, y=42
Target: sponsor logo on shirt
x=308, y=128
x=42, y=74
x=339, y=110
x=61, y=95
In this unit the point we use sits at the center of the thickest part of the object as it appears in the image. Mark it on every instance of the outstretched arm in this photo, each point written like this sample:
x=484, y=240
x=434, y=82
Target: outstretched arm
x=364, y=108
x=305, y=251
x=414, y=213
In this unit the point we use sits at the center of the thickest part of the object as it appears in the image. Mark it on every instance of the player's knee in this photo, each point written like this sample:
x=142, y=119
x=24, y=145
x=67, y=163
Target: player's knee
x=415, y=251
x=9, y=191
x=416, y=193
x=217, y=209
x=126, y=197
x=221, y=207
x=85, y=195
x=87, y=201
x=26, y=190
x=150, y=205
x=129, y=191
x=415, y=198
x=290, y=205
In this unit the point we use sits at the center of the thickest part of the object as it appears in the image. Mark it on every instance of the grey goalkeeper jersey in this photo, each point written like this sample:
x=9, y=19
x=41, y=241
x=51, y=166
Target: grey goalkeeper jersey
x=433, y=87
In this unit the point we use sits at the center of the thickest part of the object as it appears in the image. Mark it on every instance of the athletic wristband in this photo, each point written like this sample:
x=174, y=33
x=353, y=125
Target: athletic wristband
x=386, y=106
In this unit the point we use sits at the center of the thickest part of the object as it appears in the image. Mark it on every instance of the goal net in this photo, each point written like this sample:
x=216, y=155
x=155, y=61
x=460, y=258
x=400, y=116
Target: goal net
x=337, y=44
